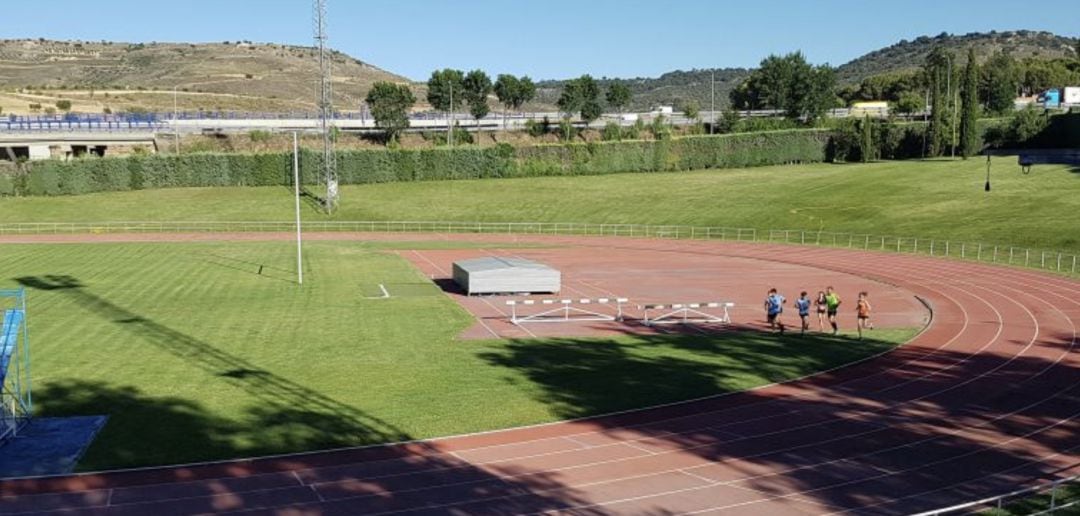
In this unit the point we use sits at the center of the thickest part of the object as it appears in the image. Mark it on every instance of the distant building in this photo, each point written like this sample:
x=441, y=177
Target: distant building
x=871, y=108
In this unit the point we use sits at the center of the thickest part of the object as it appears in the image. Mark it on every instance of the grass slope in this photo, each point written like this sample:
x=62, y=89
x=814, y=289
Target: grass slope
x=195, y=356
x=933, y=199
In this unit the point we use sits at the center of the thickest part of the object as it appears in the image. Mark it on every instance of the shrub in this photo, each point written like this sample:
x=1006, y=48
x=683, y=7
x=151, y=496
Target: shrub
x=659, y=128
x=63, y=105
x=612, y=132
x=257, y=135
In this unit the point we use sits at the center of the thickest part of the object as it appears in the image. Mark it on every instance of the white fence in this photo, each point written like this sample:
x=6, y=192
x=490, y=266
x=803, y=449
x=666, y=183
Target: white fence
x=1043, y=259
x=1051, y=491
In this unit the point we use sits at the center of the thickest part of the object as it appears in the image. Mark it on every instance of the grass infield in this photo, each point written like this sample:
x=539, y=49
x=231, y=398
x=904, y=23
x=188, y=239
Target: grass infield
x=196, y=356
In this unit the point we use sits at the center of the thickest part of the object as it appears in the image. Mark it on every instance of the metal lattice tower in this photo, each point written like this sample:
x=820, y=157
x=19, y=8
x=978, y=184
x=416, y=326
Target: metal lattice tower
x=326, y=107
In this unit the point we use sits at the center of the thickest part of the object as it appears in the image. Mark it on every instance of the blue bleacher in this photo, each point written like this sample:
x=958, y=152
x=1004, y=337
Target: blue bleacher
x=9, y=336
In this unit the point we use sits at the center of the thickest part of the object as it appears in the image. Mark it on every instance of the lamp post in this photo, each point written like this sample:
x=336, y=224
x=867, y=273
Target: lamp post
x=987, y=187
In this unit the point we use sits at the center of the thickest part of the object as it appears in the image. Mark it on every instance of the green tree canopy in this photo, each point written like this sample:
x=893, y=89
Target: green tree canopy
x=442, y=85
x=618, y=96
x=788, y=83
x=1001, y=82
x=477, y=86
x=390, y=104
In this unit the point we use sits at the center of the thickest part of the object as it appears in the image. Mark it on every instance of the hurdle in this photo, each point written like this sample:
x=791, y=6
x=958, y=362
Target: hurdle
x=566, y=310
x=686, y=313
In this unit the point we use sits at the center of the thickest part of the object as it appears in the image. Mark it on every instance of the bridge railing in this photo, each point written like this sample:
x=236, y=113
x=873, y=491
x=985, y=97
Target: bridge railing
x=1033, y=258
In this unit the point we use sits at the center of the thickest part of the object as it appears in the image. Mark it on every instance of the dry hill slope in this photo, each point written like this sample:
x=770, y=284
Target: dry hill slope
x=231, y=75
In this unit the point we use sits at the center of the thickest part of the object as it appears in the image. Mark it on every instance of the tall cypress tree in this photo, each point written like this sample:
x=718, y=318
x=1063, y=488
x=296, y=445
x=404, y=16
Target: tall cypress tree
x=969, y=134
x=937, y=64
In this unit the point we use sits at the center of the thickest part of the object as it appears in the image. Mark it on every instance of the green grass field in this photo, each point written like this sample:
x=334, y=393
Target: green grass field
x=933, y=199
x=196, y=356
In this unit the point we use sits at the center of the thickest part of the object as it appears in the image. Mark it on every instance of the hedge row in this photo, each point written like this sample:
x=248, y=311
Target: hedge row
x=54, y=177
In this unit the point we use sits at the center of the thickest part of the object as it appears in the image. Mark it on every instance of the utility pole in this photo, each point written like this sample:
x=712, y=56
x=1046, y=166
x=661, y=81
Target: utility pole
x=326, y=107
x=296, y=189
x=712, y=100
x=450, y=116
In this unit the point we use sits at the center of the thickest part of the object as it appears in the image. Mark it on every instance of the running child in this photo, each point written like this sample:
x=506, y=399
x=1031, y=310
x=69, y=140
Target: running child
x=862, y=310
x=774, y=307
x=832, y=306
x=803, y=304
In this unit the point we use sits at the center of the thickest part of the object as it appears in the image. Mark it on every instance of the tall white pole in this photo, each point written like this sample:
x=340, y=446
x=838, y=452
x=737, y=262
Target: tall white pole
x=712, y=100
x=296, y=188
x=175, y=115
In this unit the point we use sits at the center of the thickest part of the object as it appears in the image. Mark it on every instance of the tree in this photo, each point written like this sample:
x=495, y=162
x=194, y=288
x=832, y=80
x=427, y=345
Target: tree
x=514, y=92
x=581, y=96
x=618, y=96
x=390, y=104
x=790, y=84
x=866, y=142
x=443, y=86
x=1001, y=80
x=63, y=105
x=477, y=86
x=910, y=102
x=969, y=135
x=937, y=68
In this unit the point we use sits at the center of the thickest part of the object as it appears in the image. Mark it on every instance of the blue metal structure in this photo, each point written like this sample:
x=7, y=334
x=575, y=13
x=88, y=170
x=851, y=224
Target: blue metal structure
x=16, y=401
x=1050, y=98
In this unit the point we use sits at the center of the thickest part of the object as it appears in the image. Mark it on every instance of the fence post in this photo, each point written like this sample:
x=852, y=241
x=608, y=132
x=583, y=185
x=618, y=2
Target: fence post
x=978, y=255
x=963, y=250
x=882, y=243
x=1042, y=260
x=946, y=248
x=995, y=254
x=1059, y=263
x=931, y=247
x=802, y=238
x=1074, y=264
x=916, y=251
x=898, y=240
x=1027, y=256
x=867, y=246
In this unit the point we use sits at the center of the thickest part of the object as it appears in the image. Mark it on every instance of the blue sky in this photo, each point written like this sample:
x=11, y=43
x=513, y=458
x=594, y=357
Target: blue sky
x=545, y=39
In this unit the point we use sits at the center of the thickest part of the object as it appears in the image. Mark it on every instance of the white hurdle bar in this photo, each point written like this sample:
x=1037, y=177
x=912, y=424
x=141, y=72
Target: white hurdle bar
x=687, y=313
x=566, y=310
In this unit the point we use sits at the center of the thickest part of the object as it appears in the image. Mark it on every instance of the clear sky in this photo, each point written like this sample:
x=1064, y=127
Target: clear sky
x=546, y=39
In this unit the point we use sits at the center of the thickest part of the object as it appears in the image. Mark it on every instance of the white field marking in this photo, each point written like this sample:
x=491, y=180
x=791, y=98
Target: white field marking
x=504, y=314
x=385, y=294
x=298, y=479
x=577, y=442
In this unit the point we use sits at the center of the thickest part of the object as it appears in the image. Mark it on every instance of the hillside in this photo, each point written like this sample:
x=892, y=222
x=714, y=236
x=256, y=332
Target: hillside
x=671, y=89
x=210, y=76
x=907, y=55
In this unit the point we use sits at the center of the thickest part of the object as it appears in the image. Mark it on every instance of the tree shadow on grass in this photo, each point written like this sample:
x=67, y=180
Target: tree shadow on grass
x=288, y=417
x=353, y=481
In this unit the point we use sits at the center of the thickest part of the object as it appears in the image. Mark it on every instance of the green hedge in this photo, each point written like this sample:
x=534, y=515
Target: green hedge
x=85, y=175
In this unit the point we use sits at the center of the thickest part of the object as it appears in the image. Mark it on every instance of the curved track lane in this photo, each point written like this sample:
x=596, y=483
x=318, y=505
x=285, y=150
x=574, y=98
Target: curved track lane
x=987, y=399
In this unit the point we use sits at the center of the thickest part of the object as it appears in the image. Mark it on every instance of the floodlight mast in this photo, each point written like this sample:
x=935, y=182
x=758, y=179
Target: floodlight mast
x=326, y=108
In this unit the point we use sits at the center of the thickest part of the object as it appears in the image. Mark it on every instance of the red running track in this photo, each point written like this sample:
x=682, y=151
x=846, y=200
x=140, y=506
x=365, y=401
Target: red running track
x=986, y=400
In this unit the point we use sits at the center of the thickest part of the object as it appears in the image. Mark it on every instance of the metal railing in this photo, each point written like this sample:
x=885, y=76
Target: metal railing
x=1051, y=489
x=1042, y=259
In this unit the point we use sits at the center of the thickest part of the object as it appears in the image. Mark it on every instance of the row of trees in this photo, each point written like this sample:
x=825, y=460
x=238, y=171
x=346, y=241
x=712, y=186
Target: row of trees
x=999, y=80
x=447, y=89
